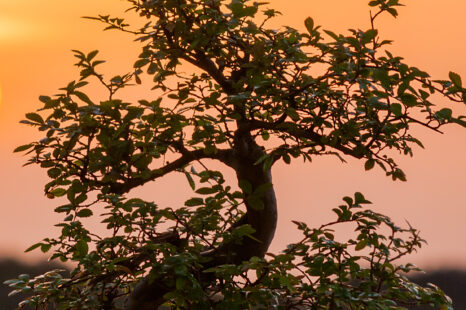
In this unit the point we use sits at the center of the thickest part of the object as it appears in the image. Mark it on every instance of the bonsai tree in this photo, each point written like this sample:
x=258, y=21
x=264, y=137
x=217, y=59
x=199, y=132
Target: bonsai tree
x=229, y=89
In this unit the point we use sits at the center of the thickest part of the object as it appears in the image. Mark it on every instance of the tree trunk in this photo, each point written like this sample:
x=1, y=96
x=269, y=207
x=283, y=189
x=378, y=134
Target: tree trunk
x=245, y=154
x=264, y=220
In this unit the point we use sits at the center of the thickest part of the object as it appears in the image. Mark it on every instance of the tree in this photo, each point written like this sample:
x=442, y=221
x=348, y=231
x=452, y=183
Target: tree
x=258, y=96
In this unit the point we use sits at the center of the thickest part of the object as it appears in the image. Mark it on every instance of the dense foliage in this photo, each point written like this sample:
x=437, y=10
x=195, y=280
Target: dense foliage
x=257, y=96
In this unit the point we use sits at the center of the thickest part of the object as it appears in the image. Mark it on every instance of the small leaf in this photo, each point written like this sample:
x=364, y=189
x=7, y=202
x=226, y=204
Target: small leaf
x=348, y=200
x=398, y=174
x=444, y=113
x=368, y=36
x=34, y=246
x=194, y=202
x=206, y=190
x=392, y=12
x=369, y=164
x=23, y=148
x=458, y=121
x=141, y=62
x=396, y=109
x=44, y=99
x=84, y=213
x=361, y=245
x=359, y=199
x=91, y=55
x=12, y=282
x=35, y=117
x=265, y=135
x=332, y=34
x=309, y=23
x=54, y=172
x=456, y=79
x=83, y=97
x=58, y=192
x=82, y=247
x=408, y=99
x=190, y=180
x=45, y=247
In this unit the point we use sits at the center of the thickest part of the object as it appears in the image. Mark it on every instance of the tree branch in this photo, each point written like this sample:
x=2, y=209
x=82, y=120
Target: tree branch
x=302, y=133
x=187, y=157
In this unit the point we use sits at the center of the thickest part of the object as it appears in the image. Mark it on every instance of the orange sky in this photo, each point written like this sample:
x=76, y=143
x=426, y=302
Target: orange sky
x=35, y=58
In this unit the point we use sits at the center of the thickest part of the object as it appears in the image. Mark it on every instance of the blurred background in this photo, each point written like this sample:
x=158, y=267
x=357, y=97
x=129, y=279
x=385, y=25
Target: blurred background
x=36, y=39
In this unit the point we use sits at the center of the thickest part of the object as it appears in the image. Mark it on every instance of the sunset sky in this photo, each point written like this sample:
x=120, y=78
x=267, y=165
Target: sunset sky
x=36, y=39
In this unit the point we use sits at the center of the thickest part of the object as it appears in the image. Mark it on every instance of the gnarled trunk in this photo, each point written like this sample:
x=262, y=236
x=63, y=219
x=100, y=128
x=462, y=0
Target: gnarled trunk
x=263, y=220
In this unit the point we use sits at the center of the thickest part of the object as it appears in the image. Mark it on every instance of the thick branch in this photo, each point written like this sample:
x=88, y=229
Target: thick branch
x=301, y=133
x=186, y=158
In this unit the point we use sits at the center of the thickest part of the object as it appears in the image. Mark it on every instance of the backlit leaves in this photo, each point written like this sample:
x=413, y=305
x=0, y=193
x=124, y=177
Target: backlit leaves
x=251, y=79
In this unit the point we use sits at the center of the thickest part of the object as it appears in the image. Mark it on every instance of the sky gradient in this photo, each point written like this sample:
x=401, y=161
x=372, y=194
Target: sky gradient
x=36, y=38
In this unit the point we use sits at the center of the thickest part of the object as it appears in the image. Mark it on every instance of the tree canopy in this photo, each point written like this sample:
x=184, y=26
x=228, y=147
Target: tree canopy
x=257, y=96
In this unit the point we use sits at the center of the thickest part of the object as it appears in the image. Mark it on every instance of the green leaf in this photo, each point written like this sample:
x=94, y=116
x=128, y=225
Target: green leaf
x=23, y=148
x=348, y=200
x=444, y=113
x=81, y=247
x=360, y=199
x=382, y=76
x=84, y=213
x=309, y=23
x=332, y=34
x=35, y=117
x=265, y=135
x=369, y=164
x=361, y=245
x=83, y=97
x=45, y=247
x=392, y=12
x=458, y=121
x=33, y=247
x=194, y=202
x=13, y=282
x=58, y=192
x=206, y=190
x=286, y=158
x=398, y=174
x=408, y=99
x=191, y=182
x=396, y=109
x=54, y=172
x=141, y=62
x=240, y=10
x=45, y=99
x=91, y=55
x=456, y=79
x=368, y=36
x=64, y=208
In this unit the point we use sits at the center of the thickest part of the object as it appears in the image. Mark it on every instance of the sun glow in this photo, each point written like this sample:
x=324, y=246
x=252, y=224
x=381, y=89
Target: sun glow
x=15, y=30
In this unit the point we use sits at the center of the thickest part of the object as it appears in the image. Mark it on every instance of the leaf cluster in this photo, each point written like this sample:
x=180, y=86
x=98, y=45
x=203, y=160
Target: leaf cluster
x=318, y=272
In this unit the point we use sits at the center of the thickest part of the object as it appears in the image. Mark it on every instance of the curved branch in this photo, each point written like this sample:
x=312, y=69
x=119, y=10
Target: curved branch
x=187, y=157
x=302, y=133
